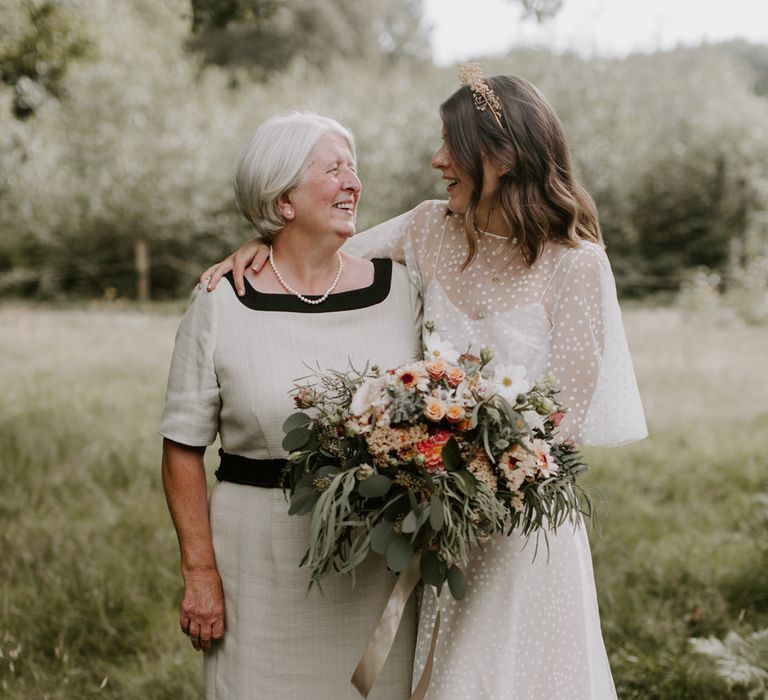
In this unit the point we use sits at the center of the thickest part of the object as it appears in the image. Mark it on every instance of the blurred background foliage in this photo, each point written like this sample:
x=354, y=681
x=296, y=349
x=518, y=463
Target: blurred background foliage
x=121, y=121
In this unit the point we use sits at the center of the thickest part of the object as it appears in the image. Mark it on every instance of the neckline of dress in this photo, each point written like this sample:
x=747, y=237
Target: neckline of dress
x=491, y=316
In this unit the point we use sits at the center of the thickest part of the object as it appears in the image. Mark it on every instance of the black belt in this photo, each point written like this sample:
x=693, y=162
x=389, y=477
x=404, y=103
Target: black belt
x=265, y=473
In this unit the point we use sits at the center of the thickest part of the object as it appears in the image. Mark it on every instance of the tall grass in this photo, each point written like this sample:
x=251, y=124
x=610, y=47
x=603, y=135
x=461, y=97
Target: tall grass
x=90, y=586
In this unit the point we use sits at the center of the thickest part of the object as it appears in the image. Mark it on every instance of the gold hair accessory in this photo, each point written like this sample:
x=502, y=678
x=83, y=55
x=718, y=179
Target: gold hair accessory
x=472, y=74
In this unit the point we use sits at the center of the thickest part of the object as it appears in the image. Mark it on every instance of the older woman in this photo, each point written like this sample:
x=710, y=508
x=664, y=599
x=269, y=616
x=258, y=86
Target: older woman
x=233, y=366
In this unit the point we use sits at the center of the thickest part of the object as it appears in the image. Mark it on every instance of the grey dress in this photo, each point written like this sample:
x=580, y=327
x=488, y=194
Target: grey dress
x=233, y=366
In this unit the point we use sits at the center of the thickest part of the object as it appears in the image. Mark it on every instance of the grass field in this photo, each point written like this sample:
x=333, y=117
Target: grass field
x=90, y=585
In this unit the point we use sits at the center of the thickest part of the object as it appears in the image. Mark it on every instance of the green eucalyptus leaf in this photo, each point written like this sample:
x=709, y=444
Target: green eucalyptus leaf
x=451, y=455
x=303, y=502
x=436, y=515
x=328, y=470
x=515, y=419
x=396, y=508
x=298, y=472
x=433, y=568
x=296, y=439
x=457, y=583
x=399, y=553
x=306, y=482
x=466, y=482
x=381, y=535
x=296, y=420
x=409, y=522
x=374, y=486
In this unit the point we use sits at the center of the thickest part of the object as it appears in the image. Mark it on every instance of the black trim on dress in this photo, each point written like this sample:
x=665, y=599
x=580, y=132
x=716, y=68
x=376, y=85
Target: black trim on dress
x=361, y=298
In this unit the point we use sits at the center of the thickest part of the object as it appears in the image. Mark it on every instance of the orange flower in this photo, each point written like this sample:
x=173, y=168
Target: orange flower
x=436, y=369
x=455, y=376
x=432, y=450
x=435, y=409
x=454, y=413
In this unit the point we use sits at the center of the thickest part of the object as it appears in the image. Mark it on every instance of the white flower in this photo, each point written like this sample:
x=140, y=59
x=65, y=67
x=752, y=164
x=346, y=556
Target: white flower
x=370, y=393
x=534, y=420
x=547, y=465
x=438, y=348
x=510, y=381
x=413, y=376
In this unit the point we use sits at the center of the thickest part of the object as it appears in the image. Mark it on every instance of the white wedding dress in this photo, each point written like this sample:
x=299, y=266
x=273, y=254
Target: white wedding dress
x=528, y=628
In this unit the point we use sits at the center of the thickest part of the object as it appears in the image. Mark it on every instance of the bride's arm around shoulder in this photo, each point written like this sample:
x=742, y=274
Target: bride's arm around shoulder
x=391, y=238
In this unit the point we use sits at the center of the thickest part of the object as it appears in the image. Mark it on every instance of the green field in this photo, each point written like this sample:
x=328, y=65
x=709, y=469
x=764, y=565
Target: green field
x=90, y=585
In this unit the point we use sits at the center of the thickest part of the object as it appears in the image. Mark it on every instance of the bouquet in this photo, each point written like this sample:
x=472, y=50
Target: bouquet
x=431, y=458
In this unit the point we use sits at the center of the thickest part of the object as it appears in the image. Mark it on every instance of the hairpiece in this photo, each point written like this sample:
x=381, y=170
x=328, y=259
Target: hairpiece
x=472, y=74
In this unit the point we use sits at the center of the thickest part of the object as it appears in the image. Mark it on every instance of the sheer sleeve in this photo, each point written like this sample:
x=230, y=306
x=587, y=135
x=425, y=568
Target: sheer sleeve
x=412, y=239
x=385, y=240
x=590, y=358
x=191, y=414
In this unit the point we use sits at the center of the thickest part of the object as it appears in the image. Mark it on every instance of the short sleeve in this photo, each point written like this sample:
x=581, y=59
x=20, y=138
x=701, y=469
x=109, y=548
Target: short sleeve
x=590, y=358
x=191, y=414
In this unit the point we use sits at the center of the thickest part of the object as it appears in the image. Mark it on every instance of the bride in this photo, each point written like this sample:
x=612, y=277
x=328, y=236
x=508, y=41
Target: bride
x=514, y=260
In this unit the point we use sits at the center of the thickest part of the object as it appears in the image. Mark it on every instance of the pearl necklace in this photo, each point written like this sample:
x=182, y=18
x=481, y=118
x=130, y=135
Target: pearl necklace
x=298, y=294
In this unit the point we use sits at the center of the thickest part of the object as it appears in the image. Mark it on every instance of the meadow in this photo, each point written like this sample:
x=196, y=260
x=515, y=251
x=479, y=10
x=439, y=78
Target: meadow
x=89, y=584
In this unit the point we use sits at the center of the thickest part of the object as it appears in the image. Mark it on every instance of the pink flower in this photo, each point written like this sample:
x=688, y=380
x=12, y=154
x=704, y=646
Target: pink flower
x=556, y=418
x=305, y=397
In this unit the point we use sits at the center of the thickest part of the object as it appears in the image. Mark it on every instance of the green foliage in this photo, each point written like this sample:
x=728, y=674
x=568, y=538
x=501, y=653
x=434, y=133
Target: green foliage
x=141, y=143
x=38, y=41
x=266, y=36
x=218, y=14
x=673, y=147
x=90, y=582
x=741, y=662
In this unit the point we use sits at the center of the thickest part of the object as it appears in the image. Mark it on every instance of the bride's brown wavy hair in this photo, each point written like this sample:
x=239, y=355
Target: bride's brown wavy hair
x=539, y=196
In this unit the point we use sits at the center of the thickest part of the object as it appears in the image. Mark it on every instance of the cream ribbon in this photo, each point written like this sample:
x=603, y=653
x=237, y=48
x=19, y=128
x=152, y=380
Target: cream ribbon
x=376, y=653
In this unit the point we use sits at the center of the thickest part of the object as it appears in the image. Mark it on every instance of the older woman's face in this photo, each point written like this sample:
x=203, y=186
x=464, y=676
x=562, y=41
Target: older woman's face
x=325, y=201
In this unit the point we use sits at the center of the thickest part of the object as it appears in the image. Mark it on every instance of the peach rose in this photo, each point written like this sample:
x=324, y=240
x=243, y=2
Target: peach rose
x=455, y=376
x=436, y=369
x=435, y=409
x=454, y=413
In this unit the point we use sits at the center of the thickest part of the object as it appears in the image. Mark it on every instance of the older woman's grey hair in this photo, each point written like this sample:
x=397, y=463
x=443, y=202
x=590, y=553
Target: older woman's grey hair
x=273, y=163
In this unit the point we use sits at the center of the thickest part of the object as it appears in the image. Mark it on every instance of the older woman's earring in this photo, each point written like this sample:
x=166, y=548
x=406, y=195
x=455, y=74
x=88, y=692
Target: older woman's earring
x=288, y=213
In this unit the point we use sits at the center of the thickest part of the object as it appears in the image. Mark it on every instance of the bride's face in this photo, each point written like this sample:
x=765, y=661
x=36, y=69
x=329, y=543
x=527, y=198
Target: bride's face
x=460, y=186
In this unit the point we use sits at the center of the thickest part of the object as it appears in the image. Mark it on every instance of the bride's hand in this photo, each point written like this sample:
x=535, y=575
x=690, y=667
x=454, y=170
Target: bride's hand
x=253, y=253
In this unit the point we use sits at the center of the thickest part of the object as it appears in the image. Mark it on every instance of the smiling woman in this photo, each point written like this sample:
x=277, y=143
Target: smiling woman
x=235, y=360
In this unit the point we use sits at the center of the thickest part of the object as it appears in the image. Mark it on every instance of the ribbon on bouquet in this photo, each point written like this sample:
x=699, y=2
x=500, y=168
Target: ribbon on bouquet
x=376, y=653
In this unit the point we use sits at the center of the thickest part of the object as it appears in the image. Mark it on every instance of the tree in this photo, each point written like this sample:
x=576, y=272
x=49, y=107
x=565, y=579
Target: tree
x=38, y=41
x=265, y=35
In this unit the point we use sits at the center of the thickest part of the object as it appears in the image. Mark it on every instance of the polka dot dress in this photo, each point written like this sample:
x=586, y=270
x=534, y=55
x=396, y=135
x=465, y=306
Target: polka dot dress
x=529, y=626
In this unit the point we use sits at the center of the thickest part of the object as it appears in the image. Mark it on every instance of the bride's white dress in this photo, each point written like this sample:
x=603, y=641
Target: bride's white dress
x=528, y=627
